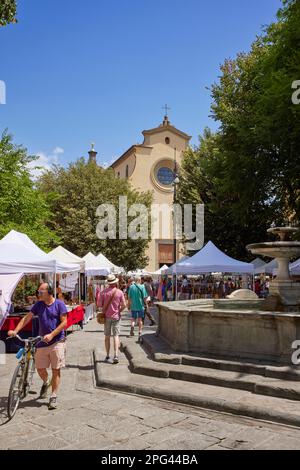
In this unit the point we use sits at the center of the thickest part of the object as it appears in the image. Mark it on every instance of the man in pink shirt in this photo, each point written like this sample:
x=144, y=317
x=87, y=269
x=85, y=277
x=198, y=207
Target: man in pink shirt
x=112, y=301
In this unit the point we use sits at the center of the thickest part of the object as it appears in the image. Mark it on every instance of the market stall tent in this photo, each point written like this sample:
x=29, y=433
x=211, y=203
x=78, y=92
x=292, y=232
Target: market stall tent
x=295, y=268
x=139, y=272
x=93, y=266
x=258, y=263
x=173, y=269
x=8, y=283
x=160, y=271
x=105, y=263
x=18, y=237
x=20, y=258
x=64, y=256
x=210, y=259
x=20, y=255
x=268, y=268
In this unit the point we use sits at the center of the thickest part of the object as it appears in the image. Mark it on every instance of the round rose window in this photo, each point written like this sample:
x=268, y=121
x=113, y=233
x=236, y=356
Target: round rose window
x=165, y=176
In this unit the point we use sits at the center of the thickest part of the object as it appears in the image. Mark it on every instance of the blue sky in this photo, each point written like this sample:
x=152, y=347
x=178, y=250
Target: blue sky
x=101, y=70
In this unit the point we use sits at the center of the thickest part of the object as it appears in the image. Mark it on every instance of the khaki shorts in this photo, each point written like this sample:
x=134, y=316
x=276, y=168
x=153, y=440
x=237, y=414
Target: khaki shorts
x=53, y=356
x=111, y=327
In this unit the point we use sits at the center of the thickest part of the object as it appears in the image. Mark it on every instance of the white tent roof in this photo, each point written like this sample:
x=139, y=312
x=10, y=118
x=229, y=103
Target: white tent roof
x=64, y=256
x=295, y=268
x=161, y=270
x=210, y=259
x=93, y=266
x=105, y=263
x=17, y=237
x=258, y=262
x=139, y=272
x=268, y=268
x=18, y=254
x=173, y=269
x=259, y=265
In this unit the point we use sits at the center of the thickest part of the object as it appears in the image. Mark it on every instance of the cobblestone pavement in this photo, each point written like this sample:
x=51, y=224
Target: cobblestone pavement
x=91, y=418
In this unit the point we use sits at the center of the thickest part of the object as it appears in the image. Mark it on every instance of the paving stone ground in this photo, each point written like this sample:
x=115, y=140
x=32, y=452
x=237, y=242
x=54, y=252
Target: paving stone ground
x=91, y=418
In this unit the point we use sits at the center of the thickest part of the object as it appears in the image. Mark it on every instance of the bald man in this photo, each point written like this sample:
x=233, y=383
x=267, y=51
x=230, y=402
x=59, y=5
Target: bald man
x=52, y=314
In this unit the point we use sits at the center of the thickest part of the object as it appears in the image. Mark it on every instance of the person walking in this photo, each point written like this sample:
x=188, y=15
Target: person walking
x=51, y=352
x=112, y=302
x=149, y=289
x=137, y=296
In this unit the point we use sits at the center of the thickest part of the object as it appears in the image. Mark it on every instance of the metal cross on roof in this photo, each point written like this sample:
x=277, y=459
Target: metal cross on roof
x=166, y=108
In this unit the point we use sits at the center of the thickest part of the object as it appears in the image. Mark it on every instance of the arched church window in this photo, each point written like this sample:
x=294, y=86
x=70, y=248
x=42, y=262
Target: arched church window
x=127, y=171
x=167, y=140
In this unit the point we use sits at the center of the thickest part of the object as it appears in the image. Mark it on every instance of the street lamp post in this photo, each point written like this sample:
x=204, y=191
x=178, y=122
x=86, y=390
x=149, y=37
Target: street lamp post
x=175, y=183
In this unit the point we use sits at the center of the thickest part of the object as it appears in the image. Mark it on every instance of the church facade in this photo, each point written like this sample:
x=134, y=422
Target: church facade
x=151, y=166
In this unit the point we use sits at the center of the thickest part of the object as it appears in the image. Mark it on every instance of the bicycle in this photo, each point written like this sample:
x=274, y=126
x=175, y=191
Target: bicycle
x=23, y=375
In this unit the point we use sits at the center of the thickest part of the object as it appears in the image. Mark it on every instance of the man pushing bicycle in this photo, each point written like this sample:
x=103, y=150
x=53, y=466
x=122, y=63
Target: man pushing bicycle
x=52, y=314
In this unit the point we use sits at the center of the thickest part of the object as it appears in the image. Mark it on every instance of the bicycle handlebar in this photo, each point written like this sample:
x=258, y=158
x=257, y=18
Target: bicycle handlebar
x=29, y=340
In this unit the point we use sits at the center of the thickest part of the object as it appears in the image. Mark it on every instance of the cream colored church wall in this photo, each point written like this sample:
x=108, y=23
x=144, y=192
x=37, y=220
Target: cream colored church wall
x=121, y=167
x=142, y=162
x=159, y=138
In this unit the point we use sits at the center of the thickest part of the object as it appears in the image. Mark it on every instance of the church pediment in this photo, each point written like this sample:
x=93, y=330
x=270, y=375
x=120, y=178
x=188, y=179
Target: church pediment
x=166, y=126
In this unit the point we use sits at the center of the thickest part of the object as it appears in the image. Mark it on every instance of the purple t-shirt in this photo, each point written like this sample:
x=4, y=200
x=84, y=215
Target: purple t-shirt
x=49, y=319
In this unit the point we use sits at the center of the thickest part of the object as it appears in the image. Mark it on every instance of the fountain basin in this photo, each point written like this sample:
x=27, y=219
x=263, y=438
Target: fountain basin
x=217, y=329
x=276, y=249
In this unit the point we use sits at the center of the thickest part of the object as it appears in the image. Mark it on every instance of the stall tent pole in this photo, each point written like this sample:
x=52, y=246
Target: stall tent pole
x=79, y=289
x=54, y=282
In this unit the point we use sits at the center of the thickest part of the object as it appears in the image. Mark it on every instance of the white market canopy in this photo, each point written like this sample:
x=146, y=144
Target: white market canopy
x=105, y=263
x=174, y=268
x=139, y=272
x=8, y=283
x=19, y=254
x=259, y=266
x=210, y=259
x=62, y=255
x=93, y=266
x=272, y=268
x=161, y=270
x=258, y=263
x=295, y=268
x=268, y=268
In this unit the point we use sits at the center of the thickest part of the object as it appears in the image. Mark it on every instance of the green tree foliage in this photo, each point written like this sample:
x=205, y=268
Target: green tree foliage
x=248, y=172
x=8, y=11
x=22, y=207
x=74, y=193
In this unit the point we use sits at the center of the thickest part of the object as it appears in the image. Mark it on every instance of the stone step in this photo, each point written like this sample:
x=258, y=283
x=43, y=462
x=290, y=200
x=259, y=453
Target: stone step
x=142, y=365
x=160, y=352
x=216, y=398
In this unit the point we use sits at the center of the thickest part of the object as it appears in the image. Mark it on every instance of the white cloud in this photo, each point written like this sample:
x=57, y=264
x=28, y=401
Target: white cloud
x=58, y=150
x=44, y=162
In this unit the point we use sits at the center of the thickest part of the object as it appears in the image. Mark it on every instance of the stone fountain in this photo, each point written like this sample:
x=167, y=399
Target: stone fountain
x=284, y=292
x=241, y=327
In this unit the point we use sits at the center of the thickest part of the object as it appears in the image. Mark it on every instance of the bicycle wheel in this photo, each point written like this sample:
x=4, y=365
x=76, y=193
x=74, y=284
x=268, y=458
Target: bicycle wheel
x=15, y=390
